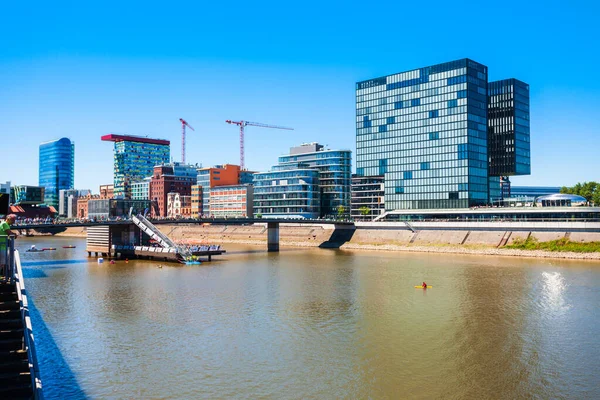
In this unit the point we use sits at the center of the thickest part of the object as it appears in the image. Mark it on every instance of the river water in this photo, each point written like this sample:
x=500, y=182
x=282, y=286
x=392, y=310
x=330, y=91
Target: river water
x=311, y=323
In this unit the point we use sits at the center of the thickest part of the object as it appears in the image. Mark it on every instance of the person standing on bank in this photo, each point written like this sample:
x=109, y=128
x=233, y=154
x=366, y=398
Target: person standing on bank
x=5, y=232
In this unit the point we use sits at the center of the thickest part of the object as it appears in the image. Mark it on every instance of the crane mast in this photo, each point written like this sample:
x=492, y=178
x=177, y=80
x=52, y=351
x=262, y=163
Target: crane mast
x=242, y=125
x=183, y=125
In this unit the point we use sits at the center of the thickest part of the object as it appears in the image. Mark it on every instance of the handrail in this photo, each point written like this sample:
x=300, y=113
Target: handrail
x=29, y=341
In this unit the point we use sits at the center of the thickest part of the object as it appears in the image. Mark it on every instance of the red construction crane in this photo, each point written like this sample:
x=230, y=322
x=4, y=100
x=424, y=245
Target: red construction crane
x=243, y=124
x=183, y=125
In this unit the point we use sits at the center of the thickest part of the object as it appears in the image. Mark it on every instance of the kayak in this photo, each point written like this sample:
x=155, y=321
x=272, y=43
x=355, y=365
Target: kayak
x=49, y=248
x=68, y=247
x=421, y=287
x=34, y=250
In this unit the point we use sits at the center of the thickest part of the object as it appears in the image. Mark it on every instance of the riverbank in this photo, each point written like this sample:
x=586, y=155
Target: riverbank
x=494, y=243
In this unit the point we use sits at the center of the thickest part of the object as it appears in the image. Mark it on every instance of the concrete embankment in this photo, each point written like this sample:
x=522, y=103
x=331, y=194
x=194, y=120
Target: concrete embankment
x=392, y=237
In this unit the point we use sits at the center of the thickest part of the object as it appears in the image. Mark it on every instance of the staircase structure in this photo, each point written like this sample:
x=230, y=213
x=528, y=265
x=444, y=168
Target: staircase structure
x=163, y=240
x=19, y=374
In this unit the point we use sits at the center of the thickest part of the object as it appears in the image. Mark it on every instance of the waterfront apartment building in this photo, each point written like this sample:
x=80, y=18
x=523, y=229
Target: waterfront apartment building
x=288, y=191
x=134, y=160
x=426, y=132
x=219, y=175
x=165, y=181
x=232, y=201
x=179, y=206
x=367, y=197
x=56, y=168
x=298, y=193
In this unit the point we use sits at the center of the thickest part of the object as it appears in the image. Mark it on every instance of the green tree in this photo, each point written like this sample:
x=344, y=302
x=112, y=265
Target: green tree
x=364, y=211
x=341, y=210
x=589, y=190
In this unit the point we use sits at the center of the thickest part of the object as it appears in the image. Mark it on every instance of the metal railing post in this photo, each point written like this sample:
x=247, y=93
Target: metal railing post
x=10, y=265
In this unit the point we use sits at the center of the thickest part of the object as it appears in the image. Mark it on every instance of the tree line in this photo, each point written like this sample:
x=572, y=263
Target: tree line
x=589, y=190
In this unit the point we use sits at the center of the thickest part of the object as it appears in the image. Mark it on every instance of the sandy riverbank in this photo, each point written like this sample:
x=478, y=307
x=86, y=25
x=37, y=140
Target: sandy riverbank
x=447, y=242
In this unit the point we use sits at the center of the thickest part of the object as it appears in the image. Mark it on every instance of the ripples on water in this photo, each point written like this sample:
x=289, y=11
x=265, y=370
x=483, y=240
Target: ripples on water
x=310, y=323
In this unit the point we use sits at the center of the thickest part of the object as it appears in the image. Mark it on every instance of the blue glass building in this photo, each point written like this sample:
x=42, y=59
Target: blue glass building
x=426, y=132
x=57, y=168
x=293, y=198
x=290, y=191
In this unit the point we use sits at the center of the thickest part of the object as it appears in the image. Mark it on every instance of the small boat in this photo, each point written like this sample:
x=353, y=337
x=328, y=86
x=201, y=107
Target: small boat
x=69, y=247
x=193, y=262
x=34, y=250
x=421, y=287
x=49, y=248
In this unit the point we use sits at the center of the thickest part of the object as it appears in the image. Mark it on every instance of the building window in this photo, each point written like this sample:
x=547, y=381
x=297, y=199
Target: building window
x=382, y=166
x=433, y=114
x=382, y=128
x=415, y=102
x=452, y=103
x=453, y=195
x=424, y=165
x=407, y=174
x=391, y=120
x=398, y=105
x=434, y=135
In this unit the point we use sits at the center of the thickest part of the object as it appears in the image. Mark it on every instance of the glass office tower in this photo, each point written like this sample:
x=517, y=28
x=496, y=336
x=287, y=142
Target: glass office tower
x=335, y=174
x=425, y=131
x=134, y=160
x=289, y=191
x=57, y=168
x=508, y=128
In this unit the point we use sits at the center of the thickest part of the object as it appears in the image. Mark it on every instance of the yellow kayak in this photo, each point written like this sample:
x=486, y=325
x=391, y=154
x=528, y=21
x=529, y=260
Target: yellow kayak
x=421, y=287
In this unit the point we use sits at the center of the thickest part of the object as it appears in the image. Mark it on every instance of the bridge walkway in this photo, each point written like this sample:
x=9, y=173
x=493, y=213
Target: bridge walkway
x=148, y=228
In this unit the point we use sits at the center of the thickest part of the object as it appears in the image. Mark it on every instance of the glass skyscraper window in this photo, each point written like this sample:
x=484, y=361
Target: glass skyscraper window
x=57, y=168
x=432, y=150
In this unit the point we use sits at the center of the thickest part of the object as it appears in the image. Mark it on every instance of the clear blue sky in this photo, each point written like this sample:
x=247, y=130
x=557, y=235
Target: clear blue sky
x=84, y=69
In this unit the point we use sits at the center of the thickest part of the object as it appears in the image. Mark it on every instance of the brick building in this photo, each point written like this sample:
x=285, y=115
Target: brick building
x=163, y=182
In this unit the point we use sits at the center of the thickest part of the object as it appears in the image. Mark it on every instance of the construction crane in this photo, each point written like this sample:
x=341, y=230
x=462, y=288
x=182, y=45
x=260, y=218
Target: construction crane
x=242, y=125
x=183, y=125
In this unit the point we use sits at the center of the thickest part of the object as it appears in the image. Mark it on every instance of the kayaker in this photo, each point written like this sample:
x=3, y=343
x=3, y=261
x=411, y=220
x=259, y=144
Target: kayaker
x=424, y=285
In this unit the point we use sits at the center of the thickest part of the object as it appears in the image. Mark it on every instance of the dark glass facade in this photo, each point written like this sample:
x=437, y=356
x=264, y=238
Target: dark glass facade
x=57, y=168
x=425, y=131
x=508, y=128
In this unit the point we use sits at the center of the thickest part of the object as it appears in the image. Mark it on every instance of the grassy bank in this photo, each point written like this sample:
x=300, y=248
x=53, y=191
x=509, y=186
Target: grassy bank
x=563, y=244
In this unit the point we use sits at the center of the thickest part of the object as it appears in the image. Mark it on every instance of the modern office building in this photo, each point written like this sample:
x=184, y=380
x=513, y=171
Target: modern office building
x=219, y=175
x=141, y=190
x=134, y=160
x=508, y=128
x=231, y=201
x=367, y=197
x=335, y=175
x=57, y=168
x=164, y=181
x=426, y=131
x=246, y=177
x=31, y=195
x=289, y=191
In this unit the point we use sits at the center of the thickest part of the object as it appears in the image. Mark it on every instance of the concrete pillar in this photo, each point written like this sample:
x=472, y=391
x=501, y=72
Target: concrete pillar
x=273, y=236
